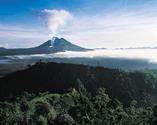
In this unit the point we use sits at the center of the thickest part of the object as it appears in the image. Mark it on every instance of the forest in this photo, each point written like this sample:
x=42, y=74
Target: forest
x=68, y=94
x=76, y=107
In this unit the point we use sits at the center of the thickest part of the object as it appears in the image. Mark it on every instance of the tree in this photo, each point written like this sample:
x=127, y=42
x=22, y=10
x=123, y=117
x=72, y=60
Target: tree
x=155, y=113
x=64, y=119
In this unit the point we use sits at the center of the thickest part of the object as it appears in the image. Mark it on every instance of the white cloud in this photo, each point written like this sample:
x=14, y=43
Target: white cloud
x=18, y=37
x=143, y=54
x=27, y=36
x=55, y=19
x=121, y=29
x=130, y=28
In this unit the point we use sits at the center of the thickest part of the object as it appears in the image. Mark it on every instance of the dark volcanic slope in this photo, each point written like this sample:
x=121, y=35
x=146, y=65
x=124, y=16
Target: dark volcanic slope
x=57, y=77
x=45, y=48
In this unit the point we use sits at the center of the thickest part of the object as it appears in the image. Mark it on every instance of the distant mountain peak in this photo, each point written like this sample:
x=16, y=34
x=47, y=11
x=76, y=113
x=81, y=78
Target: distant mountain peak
x=2, y=48
x=60, y=44
x=53, y=42
x=51, y=46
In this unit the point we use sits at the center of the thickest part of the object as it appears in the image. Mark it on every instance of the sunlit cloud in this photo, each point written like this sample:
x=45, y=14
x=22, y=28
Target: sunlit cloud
x=120, y=29
x=135, y=54
x=20, y=37
x=109, y=29
x=55, y=19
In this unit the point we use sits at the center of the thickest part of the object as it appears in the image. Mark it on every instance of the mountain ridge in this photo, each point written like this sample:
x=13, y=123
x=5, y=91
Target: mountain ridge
x=60, y=77
x=59, y=45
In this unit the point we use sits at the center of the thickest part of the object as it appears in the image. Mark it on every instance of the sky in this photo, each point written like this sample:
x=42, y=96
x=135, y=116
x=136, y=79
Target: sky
x=88, y=23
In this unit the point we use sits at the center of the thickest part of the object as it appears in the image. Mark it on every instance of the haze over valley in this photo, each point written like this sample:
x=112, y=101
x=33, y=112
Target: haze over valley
x=78, y=62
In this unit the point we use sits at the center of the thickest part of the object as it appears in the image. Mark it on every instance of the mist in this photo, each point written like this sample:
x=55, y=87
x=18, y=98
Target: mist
x=138, y=54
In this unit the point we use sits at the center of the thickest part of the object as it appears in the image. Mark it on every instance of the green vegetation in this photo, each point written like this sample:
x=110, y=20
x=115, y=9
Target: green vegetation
x=60, y=77
x=68, y=94
x=76, y=107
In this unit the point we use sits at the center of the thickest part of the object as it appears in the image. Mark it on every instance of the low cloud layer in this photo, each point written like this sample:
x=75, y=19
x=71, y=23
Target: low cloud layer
x=139, y=54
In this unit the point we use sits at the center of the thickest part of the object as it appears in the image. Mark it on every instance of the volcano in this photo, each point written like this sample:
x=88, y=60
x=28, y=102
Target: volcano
x=51, y=46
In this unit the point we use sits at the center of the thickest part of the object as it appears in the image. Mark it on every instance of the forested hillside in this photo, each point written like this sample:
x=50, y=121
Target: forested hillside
x=68, y=94
x=60, y=77
x=76, y=107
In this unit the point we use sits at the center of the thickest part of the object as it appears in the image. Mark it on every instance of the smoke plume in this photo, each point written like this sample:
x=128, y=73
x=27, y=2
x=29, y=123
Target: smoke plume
x=55, y=19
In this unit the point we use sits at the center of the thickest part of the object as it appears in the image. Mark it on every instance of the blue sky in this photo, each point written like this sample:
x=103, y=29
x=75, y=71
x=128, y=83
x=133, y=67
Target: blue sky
x=95, y=23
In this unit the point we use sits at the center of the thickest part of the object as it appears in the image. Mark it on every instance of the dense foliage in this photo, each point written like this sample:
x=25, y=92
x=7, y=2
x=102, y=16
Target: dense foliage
x=60, y=77
x=67, y=94
x=76, y=107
